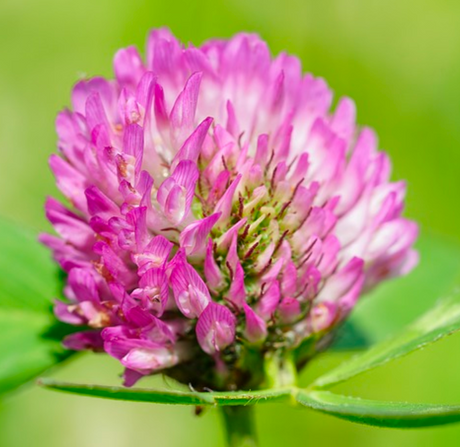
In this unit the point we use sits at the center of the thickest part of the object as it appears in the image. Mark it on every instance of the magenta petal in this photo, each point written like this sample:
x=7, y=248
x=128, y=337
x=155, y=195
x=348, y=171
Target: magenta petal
x=83, y=284
x=269, y=301
x=218, y=187
x=190, y=292
x=165, y=189
x=95, y=112
x=99, y=204
x=176, y=193
x=84, y=340
x=95, y=315
x=117, y=342
x=160, y=331
x=153, y=291
x=274, y=271
x=191, y=148
x=113, y=266
x=193, y=237
x=226, y=239
x=212, y=272
x=136, y=315
x=186, y=174
x=67, y=313
x=224, y=205
x=155, y=254
x=131, y=377
x=68, y=225
x=215, y=329
x=101, y=87
x=237, y=291
x=67, y=256
x=289, y=280
x=145, y=89
x=161, y=115
x=308, y=283
x=289, y=310
x=175, y=207
x=149, y=359
x=137, y=218
x=71, y=182
x=133, y=144
x=232, y=259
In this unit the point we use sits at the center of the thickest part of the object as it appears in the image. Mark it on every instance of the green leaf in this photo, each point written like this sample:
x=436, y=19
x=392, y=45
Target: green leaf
x=29, y=281
x=441, y=321
x=377, y=413
x=383, y=414
x=171, y=396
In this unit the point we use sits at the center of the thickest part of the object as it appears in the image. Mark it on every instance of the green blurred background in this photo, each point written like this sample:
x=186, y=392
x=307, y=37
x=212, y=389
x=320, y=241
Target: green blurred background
x=399, y=60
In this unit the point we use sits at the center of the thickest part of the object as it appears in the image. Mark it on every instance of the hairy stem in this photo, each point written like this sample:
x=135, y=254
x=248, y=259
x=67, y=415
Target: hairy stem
x=239, y=425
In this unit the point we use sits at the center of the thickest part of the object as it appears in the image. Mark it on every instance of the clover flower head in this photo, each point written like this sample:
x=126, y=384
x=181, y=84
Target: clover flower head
x=219, y=212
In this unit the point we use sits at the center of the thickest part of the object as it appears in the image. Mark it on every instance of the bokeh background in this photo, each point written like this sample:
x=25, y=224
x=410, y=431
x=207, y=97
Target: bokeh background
x=400, y=62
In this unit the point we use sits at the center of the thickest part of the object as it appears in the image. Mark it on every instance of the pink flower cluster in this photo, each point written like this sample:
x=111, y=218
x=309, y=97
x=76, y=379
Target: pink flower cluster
x=217, y=207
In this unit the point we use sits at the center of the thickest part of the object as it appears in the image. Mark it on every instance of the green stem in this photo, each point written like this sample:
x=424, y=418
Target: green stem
x=280, y=370
x=240, y=427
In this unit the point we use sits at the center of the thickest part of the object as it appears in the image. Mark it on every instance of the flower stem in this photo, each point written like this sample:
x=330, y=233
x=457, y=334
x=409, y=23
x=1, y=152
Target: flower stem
x=239, y=425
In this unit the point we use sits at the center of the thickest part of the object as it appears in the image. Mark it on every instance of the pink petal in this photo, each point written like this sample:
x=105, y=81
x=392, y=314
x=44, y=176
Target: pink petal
x=128, y=66
x=215, y=329
x=339, y=283
x=323, y=316
x=183, y=112
x=343, y=121
x=256, y=328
